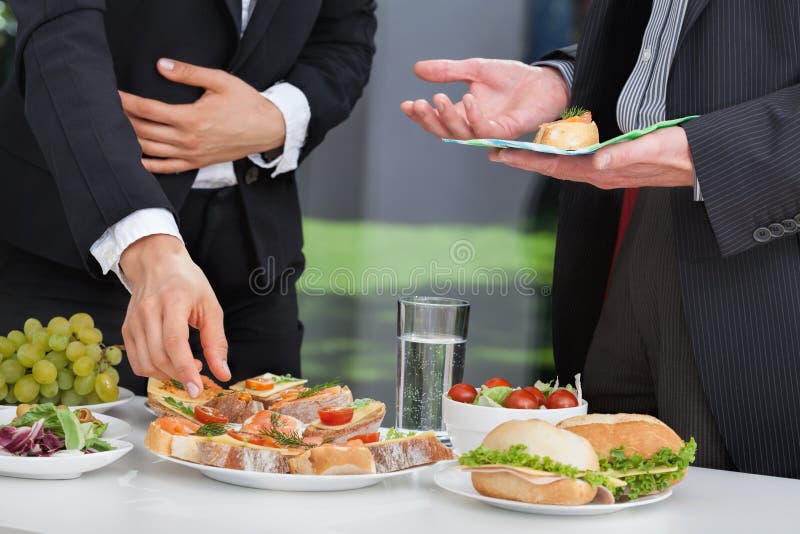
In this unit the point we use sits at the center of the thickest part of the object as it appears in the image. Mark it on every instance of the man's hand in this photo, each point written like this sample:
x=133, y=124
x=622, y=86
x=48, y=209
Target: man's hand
x=229, y=122
x=659, y=159
x=169, y=293
x=506, y=99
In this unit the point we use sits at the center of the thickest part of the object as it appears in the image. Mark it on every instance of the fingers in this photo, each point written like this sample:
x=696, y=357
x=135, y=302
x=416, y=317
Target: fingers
x=152, y=110
x=481, y=125
x=212, y=338
x=186, y=73
x=428, y=118
x=175, y=340
x=454, y=121
x=154, y=131
x=167, y=166
x=447, y=70
x=136, y=351
x=161, y=150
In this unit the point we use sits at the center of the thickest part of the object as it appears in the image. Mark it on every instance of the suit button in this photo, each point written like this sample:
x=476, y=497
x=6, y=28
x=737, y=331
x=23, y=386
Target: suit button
x=776, y=230
x=762, y=235
x=790, y=226
x=251, y=175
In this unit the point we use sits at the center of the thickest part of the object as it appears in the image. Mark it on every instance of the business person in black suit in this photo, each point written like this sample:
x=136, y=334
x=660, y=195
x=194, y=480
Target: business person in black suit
x=691, y=314
x=153, y=143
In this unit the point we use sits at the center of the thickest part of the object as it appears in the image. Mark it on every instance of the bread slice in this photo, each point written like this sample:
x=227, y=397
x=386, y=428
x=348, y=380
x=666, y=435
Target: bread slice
x=641, y=434
x=282, y=386
x=334, y=460
x=506, y=485
x=218, y=451
x=305, y=409
x=366, y=420
x=567, y=135
x=404, y=453
x=158, y=391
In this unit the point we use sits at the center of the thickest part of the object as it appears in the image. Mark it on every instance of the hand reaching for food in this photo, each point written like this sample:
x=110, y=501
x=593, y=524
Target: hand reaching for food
x=506, y=99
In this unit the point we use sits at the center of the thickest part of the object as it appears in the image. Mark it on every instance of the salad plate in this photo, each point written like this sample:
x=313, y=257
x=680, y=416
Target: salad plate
x=125, y=395
x=288, y=482
x=460, y=483
x=62, y=465
x=117, y=428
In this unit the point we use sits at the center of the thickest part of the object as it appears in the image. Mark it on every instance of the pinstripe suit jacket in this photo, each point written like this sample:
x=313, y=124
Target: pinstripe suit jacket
x=738, y=65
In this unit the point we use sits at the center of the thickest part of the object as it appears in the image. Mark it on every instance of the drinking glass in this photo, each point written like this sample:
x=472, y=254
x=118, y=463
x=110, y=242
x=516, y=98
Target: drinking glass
x=431, y=343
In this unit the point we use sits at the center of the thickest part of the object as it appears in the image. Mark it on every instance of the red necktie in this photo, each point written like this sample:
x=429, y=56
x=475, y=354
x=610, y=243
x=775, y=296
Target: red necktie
x=628, y=202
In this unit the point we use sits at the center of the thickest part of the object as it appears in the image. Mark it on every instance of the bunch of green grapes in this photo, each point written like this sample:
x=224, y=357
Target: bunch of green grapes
x=64, y=362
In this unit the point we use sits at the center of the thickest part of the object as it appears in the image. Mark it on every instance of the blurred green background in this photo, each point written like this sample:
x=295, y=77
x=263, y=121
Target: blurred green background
x=390, y=211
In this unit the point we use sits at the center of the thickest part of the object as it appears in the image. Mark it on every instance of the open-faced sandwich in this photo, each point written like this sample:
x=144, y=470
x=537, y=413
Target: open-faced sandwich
x=361, y=419
x=576, y=129
x=171, y=398
x=304, y=403
x=269, y=387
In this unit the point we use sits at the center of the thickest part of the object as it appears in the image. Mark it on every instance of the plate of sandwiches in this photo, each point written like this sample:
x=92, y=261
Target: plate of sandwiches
x=296, y=439
x=586, y=465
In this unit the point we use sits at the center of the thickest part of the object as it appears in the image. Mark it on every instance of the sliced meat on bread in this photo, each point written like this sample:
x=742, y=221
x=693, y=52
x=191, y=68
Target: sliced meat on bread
x=171, y=436
x=305, y=408
x=235, y=405
x=333, y=460
x=367, y=417
x=281, y=385
x=403, y=453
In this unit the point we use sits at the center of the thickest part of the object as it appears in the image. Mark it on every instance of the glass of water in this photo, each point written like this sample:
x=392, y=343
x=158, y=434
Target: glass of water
x=431, y=342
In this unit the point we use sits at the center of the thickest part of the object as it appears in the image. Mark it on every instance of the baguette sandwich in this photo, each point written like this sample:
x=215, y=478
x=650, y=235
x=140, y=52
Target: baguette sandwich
x=269, y=387
x=304, y=403
x=360, y=418
x=576, y=129
x=355, y=457
x=213, y=445
x=236, y=406
x=170, y=398
x=639, y=449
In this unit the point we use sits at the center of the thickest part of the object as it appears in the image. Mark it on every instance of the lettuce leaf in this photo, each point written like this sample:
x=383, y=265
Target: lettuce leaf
x=98, y=445
x=74, y=435
x=645, y=484
x=492, y=397
x=45, y=411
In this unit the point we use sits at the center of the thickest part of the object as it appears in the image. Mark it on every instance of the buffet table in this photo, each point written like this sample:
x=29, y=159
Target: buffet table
x=143, y=494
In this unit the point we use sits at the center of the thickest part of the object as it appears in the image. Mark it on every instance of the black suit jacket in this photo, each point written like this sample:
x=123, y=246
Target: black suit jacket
x=70, y=160
x=737, y=65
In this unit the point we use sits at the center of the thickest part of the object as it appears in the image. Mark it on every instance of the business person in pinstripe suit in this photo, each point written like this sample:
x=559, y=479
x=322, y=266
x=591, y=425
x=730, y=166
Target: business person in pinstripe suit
x=677, y=275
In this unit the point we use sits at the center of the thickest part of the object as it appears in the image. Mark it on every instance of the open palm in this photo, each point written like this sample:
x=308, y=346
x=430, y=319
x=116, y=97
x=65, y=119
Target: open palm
x=506, y=99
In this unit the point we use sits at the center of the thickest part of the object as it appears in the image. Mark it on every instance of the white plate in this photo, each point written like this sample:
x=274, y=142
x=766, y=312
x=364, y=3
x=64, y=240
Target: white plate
x=117, y=428
x=285, y=482
x=125, y=395
x=459, y=482
x=61, y=467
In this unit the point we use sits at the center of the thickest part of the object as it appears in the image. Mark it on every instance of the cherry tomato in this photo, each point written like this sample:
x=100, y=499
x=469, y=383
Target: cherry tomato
x=561, y=398
x=372, y=437
x=207, y=414
x=253, y=439
x=536, y=392
x=521, y=399
x=495, y=382
x=463, y=393
x=259, y=384
x=335, y=415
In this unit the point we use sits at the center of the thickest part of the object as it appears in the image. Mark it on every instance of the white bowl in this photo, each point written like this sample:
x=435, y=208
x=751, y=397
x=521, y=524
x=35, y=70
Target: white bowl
x=468, y=424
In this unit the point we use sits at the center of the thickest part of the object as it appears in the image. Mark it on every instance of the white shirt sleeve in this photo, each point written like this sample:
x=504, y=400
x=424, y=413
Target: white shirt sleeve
x=293, y=104
x=108, y=249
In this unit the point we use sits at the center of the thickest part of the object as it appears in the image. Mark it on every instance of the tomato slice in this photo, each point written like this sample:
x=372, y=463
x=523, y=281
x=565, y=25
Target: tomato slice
x=207, y=414
x=259, y=384
x=335, y=415
x=253, y=439
x=372, y=437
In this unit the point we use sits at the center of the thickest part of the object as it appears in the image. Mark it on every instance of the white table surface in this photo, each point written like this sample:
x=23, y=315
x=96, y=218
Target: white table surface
x=143, y=494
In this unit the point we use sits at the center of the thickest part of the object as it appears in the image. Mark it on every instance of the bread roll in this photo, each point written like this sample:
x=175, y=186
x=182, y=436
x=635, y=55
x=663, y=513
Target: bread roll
x=644, y=435
x=542, y=439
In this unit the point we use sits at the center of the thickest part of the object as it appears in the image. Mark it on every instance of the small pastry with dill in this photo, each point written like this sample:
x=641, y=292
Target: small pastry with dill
x=575, y=130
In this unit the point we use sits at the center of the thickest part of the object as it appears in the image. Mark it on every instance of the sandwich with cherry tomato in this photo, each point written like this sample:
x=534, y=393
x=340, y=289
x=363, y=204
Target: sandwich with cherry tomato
x=171, y=398
x=395, y=452
x=360, y=419
x=269, y=387
x=304, y=403
x=498, y=393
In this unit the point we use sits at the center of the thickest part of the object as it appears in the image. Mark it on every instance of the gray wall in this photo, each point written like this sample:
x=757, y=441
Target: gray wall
x=379, y=165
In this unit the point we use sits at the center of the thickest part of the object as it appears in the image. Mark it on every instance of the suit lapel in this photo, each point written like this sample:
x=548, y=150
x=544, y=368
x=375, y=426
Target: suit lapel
x=235, y=10
x=693, y=10
x=254, y=32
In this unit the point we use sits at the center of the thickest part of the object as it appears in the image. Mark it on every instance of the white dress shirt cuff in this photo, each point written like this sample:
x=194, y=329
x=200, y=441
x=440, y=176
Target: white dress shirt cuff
x=296, y=112
x=108, y=249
